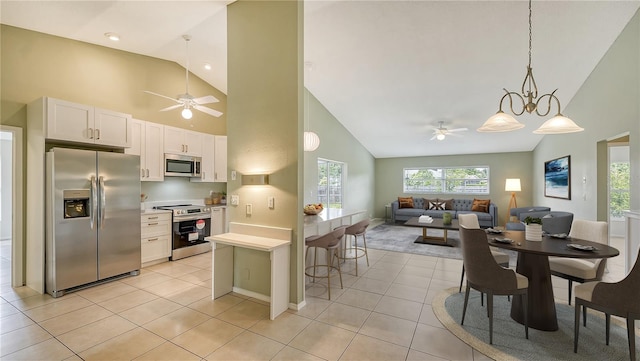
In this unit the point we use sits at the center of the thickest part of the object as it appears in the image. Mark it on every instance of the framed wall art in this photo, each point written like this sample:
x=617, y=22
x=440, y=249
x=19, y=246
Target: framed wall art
x=557, y=178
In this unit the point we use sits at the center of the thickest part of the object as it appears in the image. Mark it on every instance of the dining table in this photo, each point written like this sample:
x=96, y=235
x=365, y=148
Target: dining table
x=533, y=262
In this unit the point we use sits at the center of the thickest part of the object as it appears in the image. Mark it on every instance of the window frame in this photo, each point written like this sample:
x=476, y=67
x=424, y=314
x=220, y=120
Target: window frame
x=444, y=180
x=343, y=177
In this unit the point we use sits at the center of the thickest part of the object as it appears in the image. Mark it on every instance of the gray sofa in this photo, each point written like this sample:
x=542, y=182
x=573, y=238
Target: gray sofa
x=553, y=222
x=460, y=206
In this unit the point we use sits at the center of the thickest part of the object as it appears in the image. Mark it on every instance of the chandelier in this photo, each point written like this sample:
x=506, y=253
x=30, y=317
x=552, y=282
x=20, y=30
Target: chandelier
x=503, y=122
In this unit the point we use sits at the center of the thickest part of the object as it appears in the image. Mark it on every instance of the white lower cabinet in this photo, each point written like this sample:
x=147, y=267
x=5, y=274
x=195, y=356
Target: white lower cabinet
x=156, y=236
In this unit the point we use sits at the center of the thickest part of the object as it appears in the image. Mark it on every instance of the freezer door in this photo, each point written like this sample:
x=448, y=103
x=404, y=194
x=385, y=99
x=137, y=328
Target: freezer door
x=118, y=214
x=71, y=244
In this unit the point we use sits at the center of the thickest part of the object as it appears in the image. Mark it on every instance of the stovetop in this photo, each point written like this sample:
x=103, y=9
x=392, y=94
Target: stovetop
x=185, y=209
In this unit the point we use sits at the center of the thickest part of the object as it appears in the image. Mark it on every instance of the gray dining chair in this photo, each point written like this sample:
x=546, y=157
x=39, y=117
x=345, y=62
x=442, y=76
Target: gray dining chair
x=619, y=299
x=471, y=221
x=486, y=276
x=582, y=270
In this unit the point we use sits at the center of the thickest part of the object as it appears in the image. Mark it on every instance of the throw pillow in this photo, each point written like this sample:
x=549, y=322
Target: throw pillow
x=436, y=205
x=427, y=202
x=480, y=205
x=448, y=203
x=405, y=202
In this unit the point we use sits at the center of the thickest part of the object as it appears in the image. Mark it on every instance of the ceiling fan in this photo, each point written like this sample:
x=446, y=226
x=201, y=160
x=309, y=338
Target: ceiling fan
x=186, y=101
x=441, y=132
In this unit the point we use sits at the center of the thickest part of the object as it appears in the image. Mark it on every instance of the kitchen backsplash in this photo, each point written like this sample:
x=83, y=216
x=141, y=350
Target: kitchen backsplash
x=178, y=188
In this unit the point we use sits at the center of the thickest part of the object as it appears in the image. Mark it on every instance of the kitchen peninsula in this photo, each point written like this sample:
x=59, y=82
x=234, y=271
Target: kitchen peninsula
x=331, y=218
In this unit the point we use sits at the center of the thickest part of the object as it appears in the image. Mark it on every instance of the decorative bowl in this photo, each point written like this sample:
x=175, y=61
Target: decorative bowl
x=312, y=210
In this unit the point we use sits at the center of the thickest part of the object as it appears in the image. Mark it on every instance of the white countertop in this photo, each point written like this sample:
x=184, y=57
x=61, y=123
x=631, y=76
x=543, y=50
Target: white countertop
x=328, y=214
x=154, y=211
x=248, y=241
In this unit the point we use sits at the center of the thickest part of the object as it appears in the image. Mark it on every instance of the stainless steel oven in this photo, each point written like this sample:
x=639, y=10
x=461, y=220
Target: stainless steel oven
x=191, y=224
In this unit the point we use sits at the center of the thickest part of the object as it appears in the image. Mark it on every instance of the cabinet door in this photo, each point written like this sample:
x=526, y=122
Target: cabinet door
x=174, y=140
x=220, y=161
x=193, y=143
x=207, y=165
x=154, y=152
x=137, y=143
x=69, y=121
x=112, y=128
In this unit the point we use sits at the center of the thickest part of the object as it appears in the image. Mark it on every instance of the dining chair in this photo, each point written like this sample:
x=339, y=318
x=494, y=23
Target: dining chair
x=582, y=270
x=471, y=221
x=330, y=242
x=619, y=298
x=486, y=276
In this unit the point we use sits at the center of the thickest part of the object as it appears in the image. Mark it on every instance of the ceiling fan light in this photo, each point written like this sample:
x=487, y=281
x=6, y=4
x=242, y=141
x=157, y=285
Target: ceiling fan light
x=500, y=122
x=311, y=141
x=440, y=136
x=187, y=113
x=558, y=125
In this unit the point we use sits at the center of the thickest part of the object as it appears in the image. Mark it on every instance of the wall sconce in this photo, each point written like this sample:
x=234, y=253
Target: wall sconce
x=255, y=179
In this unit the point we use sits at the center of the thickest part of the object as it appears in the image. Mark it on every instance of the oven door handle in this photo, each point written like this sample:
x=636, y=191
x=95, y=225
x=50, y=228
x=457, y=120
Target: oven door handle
x=191, y=218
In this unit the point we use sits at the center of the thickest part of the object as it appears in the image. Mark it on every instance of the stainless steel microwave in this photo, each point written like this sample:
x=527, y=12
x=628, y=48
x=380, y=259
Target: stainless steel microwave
x=176, y=165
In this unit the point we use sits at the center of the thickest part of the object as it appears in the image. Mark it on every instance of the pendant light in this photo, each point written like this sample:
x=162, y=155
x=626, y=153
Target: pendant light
x=502, y=122
x=311, y=139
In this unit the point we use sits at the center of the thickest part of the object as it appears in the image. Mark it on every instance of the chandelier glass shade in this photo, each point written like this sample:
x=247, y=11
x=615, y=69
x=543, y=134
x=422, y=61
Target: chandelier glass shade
x=529, y=101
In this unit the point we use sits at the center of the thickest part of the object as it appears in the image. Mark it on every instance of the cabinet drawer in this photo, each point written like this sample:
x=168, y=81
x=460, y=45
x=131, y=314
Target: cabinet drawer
x=155, y=228
x=155, y=217
x=154, y=248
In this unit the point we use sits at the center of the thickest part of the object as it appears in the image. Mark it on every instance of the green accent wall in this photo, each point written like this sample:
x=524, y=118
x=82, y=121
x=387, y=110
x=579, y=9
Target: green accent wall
x=389, y=172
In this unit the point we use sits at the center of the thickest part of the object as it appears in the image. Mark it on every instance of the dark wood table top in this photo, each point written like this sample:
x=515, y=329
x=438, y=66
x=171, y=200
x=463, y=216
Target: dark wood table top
x=437, y=224
x=550, y=246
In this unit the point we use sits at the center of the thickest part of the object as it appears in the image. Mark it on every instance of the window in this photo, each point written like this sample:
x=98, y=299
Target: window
x=460, y=180
x=330, y=180
x=619, y=196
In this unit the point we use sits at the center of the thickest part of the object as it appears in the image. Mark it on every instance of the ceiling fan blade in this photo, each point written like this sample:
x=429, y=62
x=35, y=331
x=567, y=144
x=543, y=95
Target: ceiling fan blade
x=163, y=96
x=455, y=135
x=171, y=107
x=458, y=130
x=207, y=99
x=209, y=111
x=434, y=137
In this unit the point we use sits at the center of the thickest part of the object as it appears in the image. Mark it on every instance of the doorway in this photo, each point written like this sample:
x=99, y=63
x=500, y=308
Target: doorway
x=618, y=198
x=11, y=201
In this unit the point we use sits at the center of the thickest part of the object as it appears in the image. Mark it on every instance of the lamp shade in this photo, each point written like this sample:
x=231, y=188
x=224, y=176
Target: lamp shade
x=500, y=122
x=558, y=125
x=311, y=141
x=512, y=185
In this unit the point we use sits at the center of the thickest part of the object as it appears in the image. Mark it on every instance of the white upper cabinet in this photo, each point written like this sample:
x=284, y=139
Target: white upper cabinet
x=207, y=169
x=148, y=144
x=220, y=162
x=182, y=141
x=79, y=123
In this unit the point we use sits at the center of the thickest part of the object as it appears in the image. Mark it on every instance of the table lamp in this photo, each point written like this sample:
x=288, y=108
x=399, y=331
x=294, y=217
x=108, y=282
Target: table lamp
x=512, y=185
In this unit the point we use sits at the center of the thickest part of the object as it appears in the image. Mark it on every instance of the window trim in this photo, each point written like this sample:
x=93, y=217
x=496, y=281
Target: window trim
x=444, y=179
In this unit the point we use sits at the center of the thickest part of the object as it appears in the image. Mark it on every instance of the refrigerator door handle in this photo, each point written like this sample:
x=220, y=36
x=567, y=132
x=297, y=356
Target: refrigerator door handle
x=103, y=200
x=94, y=202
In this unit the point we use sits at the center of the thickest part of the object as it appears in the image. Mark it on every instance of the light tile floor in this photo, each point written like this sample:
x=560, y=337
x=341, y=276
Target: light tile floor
x=166, y=313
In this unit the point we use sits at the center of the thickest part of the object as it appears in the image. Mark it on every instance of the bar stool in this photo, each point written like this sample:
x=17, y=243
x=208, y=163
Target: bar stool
x=330, y=242
x=352, y=251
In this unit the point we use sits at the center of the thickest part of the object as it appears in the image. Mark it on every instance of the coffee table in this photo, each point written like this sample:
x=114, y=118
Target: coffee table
x=436, y=224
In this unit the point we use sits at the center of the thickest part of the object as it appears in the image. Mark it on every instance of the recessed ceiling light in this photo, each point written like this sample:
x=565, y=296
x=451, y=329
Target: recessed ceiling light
x=207, y=66
x=112, y=36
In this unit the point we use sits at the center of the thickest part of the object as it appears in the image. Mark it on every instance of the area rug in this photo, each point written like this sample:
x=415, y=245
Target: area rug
x=399, y=238
x=509, y=342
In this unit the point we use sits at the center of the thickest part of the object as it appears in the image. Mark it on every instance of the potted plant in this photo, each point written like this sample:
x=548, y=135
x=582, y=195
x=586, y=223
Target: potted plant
x=533, y=228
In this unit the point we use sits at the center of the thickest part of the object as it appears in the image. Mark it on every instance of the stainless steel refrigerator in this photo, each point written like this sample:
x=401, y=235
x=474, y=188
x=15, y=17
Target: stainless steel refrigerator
x=93, y=217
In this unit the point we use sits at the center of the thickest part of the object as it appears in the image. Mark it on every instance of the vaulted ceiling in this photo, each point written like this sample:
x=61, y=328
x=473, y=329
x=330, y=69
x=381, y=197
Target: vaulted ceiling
x=389, y=71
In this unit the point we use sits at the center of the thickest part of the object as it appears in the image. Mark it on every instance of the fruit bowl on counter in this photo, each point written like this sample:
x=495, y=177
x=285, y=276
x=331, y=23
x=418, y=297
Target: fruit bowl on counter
x=313, y=209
